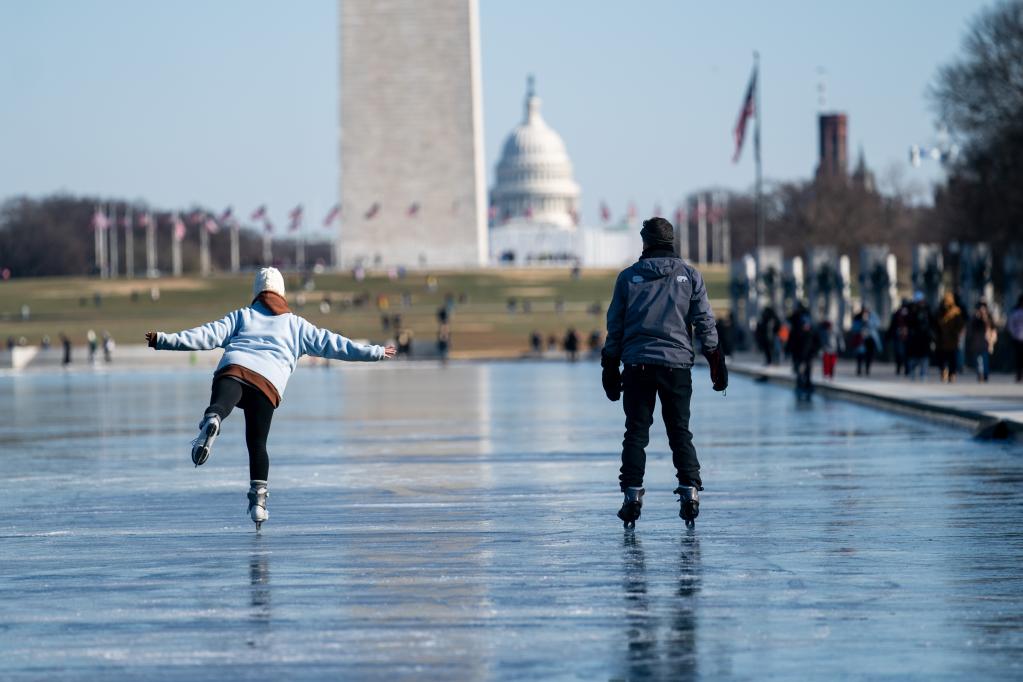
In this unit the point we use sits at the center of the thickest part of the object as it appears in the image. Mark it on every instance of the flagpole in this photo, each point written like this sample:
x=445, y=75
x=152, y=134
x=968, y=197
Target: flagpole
x=175, y=247
x=114, y=260
x=204, y=249
x=235, y=260
x=151, y=245
x=756, y=153
x=98, y=238
x=129, y=244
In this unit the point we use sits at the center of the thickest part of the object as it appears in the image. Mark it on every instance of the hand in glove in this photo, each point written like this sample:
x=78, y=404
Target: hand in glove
x=611, y=377
x=718, y=370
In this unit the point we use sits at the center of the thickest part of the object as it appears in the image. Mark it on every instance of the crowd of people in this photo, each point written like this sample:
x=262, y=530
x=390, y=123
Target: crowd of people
x=915, y=336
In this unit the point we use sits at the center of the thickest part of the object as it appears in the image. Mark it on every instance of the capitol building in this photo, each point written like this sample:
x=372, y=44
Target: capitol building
x=534, y=204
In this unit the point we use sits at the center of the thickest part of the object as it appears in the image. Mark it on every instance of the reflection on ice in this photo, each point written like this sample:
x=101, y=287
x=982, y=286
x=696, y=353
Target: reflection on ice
x=460, y=523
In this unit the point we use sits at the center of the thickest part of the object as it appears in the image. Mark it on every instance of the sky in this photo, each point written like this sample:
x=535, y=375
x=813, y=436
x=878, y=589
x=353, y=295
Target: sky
x=235, y=102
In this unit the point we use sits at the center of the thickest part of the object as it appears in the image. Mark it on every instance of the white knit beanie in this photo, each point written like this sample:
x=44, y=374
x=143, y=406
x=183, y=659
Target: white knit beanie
x=268, y=279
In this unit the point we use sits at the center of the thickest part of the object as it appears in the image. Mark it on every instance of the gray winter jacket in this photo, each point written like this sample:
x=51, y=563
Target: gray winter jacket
x=654, y=302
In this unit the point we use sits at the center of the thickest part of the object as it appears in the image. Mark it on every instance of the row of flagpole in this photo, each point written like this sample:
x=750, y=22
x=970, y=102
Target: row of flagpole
x=106, y=223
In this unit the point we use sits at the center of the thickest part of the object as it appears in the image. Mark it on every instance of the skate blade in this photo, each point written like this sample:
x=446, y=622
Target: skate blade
x=259, y=526
x=630, y=525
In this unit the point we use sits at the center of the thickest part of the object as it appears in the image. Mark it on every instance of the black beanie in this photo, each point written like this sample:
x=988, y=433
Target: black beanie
x=658, y=232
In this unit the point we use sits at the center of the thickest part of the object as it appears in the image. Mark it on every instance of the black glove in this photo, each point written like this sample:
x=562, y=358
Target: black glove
x=718, y=370
x=611, y=377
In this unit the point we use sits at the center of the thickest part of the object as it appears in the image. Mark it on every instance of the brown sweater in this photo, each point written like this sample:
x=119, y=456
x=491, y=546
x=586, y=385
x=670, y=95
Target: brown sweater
x=277, y=305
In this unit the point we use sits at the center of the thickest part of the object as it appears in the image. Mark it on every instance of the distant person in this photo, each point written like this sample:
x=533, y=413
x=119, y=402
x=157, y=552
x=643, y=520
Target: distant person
x=443, y=342
x=262, y=344
x=536, y=343
x=655, y=303
x=405, y=342
x=552, y=343
x=802, y=346
x=981, y=339
x=950, y=321
x=594, y=343
x=108, y=347
x=45, y=343
x=865, y=340
x=898, y=336
x=831, y=345
x=920, y=338
x=65, y=344
x=11, y=343
x=1015, y=329
x=93, y=345
x=571, y=345
x=766, y=333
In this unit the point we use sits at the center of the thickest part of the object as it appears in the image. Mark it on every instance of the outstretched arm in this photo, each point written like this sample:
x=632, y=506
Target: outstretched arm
x=205, y=337
x=323, y=343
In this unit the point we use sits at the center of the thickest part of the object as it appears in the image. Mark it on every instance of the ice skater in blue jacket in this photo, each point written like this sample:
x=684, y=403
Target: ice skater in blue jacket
x=262, y=343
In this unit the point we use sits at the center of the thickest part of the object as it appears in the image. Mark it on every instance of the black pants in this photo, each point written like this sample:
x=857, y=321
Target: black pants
x=642, y=385
x=227, y=393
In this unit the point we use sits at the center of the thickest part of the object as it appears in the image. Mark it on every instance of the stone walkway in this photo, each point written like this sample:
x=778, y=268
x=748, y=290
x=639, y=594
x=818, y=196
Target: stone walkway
x=966, y=402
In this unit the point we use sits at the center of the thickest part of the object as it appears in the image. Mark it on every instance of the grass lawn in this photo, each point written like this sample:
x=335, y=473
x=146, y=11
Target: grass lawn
x=480, y=323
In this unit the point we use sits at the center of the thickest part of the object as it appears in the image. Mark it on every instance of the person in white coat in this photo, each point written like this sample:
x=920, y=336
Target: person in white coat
x=262, y=344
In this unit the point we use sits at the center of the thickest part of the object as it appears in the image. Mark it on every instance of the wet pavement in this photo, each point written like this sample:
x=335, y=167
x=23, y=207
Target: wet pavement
x=458, y=523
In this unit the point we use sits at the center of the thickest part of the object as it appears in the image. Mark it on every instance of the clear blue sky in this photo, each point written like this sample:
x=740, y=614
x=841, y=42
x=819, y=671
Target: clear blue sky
x=235, y=101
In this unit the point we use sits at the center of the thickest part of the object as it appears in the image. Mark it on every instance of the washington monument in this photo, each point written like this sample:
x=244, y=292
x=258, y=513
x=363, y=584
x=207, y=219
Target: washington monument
x=413, y=190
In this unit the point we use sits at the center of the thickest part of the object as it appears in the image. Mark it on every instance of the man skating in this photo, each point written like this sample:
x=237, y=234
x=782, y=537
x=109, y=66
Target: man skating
x=655, y=303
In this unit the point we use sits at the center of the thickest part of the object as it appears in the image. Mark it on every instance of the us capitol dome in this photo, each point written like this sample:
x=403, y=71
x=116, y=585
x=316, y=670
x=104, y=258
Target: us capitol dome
x=534, y=181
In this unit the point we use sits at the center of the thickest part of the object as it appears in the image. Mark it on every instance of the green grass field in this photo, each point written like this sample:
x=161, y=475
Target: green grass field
x=480, y=324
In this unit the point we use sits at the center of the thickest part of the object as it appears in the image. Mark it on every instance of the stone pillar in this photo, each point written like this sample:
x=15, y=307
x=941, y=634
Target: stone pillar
x=793, y=283
x=769, y=277
x=877, y=280
x=1012, y=281
x=975, y=277
x=928, y=271
x=743, y=294
x=845, y=289
x=824, y=284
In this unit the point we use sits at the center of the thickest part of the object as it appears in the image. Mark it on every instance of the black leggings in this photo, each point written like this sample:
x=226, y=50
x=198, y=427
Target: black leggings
x=228, y=392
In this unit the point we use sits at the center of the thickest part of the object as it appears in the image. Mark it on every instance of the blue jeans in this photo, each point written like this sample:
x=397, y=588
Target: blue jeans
x=983, y=365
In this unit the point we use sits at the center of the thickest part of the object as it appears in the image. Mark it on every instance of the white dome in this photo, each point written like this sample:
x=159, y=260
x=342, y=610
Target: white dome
x=534, y=175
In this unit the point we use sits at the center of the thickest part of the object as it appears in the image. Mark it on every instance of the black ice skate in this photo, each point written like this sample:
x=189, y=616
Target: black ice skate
x=257, y=503
x=689, y=497
x=632, y=506
x=209, y=429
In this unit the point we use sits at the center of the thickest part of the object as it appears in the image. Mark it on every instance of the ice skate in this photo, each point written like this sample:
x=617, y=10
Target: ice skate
x=689, y=497
x=257, y=503
x=632, y=506
x=209, y=429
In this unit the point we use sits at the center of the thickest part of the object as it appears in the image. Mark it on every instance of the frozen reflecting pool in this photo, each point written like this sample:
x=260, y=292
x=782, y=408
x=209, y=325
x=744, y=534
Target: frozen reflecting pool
x=459, y=523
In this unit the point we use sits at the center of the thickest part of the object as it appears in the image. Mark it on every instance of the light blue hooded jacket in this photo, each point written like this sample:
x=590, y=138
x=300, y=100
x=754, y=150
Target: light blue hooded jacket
x=268, y=344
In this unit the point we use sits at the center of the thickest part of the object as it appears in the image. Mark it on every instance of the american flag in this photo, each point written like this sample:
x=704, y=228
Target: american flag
x=179, y=227
x=492, y=212
x=144, y=219
x=632, y=210
x=529, y=211
x=211, y=225
x=332, y=216
x=268, y=226
x=747, y=111
x=296, y=218
x=605, y=212
x=413, y=209
x=227, y=217
x=373, y=210
x=100, y=220
x=259, y=213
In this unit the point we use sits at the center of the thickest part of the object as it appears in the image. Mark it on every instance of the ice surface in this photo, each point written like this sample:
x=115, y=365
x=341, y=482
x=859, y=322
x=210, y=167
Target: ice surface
x=459, y=523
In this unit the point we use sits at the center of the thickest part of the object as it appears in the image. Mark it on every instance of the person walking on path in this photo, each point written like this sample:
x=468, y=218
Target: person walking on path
x=655, y=303
x=982, y=335
x=866, y=340
x=951, y=322
x=766, y=334
x=898, y=335
x=1015, y=328
x=262, y=343
x=920, y=338
x=802, y=346
x=831, y=345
